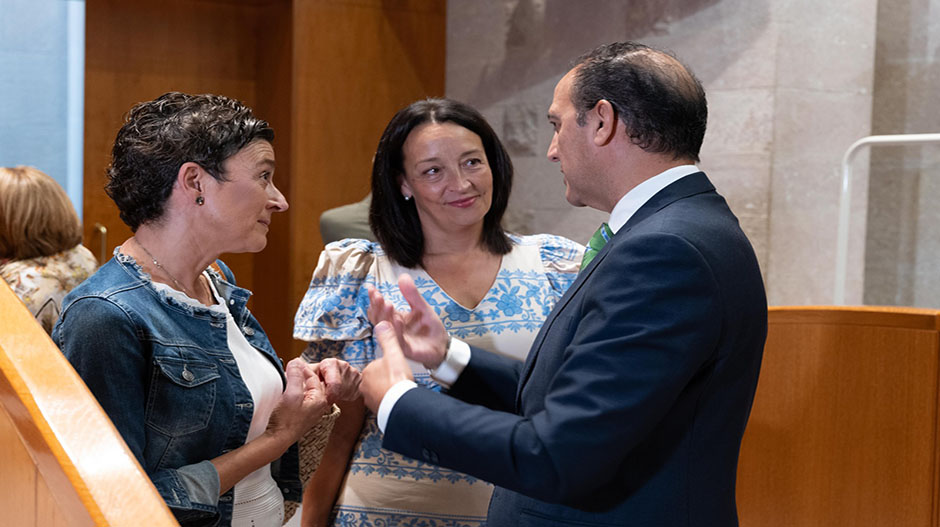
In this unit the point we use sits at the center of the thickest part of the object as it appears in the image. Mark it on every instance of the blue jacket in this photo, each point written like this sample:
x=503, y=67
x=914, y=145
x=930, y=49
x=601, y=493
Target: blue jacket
x=164, y=374
x=633, y=400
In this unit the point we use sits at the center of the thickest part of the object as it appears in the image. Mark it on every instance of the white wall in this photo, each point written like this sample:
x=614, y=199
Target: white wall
x=42, y=51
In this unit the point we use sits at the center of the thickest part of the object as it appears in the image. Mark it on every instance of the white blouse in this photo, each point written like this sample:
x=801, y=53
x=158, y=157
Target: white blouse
x=258, y=501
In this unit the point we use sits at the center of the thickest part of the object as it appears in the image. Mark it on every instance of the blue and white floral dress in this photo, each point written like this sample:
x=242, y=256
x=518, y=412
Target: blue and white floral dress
x=382, y=487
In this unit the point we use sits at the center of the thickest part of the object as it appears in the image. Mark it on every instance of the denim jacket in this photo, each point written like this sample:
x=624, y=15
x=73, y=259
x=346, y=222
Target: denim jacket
x=163, y=372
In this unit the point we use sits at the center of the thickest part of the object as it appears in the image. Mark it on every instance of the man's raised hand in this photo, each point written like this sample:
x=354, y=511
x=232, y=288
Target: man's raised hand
x=421, y=334
x=382, y=373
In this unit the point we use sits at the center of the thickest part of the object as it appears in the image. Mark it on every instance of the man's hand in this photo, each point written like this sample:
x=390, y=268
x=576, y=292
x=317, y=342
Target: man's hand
x=421, y=335
x=381, y=374
x=339, y=378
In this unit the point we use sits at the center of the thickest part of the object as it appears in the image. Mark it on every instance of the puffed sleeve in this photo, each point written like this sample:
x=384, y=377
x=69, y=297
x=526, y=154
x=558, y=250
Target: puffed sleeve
x=332, y=314
x=561, y=259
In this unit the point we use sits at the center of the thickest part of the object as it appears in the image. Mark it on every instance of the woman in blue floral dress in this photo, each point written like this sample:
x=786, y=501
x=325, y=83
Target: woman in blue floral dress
x=440, y=185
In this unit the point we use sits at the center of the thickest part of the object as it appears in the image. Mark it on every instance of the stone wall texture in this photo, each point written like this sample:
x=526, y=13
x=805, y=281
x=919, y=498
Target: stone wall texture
x=903, y=248
x=789, y=86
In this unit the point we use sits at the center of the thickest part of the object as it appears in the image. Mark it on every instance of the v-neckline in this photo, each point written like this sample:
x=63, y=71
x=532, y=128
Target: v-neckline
x=489, y=290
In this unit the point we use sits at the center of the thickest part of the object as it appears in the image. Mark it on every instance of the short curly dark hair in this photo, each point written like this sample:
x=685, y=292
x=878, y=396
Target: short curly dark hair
x=659, y=99
x=158, y=136
x=393, y=220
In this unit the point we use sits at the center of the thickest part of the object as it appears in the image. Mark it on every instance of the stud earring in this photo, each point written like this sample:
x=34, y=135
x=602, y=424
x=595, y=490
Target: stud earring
x=407, y=197
x=200, y=200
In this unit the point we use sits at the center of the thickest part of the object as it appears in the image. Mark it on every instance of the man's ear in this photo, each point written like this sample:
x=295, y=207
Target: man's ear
x=605, y=122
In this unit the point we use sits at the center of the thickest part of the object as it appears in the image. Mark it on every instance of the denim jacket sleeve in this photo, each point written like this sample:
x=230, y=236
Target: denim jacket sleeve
x=102, y=342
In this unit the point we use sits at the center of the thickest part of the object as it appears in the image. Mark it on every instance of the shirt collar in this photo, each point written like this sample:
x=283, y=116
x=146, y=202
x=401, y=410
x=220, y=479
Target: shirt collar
x=640, y=194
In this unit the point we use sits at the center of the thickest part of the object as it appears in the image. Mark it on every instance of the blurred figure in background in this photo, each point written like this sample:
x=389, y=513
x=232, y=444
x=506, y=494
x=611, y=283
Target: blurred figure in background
x=41, y=256
x=347, y=221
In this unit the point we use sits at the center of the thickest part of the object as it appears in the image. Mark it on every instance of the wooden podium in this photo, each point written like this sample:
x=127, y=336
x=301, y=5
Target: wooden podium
x=844, y=428
x=63, y=462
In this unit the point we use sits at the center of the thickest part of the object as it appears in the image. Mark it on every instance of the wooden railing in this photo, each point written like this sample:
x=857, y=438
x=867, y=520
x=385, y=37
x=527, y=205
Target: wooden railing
x=62, y=462
x=844, y=429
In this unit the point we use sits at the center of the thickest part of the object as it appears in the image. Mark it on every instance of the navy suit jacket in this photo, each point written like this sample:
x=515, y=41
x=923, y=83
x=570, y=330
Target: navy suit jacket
x=633, y=400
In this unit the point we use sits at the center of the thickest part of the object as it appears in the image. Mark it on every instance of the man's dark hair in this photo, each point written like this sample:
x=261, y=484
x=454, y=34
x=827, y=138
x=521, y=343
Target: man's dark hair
x=659, y=100
x=393, y=220
x=158, y=136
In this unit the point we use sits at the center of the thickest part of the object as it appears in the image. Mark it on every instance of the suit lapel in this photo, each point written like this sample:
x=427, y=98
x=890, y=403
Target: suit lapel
x=546, y=326
x=690, y=185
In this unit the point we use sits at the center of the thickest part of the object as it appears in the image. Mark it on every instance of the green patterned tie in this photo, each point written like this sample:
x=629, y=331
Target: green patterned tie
x=597, y=242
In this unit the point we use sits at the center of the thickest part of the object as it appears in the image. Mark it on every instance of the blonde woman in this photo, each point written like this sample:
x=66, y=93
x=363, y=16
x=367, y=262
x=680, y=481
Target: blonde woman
x=41, y=256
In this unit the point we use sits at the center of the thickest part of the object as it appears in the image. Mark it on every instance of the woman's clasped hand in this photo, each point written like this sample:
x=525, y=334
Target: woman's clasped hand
x=311, y=389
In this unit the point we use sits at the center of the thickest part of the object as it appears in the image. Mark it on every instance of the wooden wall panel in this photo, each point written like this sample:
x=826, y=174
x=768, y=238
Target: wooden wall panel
x=25, y=499
x=271, y=276
x=71, y=444
x=136, y=51
x=18, y=477
x=356, y=63
x=844, y=424
x=48, y=513
x=327, y=74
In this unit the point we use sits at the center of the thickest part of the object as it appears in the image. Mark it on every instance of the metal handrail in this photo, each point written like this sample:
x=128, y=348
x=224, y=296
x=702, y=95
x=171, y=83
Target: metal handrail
x=842, y=240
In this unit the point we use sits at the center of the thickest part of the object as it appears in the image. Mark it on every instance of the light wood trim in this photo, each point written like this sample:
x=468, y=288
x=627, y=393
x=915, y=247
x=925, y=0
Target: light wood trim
x=80, y=456
x=886, y=316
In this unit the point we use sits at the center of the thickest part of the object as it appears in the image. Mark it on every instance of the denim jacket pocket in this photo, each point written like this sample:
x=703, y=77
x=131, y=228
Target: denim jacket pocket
x=182, y=395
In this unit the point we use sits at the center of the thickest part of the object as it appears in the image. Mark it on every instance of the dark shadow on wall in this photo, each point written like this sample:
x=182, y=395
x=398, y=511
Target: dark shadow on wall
x=543, y=37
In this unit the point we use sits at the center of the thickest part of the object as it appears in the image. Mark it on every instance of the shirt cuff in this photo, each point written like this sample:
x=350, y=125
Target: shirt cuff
x=389, y=399
x=457, y=358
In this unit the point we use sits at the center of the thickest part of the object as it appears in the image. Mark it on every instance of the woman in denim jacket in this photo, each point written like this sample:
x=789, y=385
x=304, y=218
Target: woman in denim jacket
x=161, y=334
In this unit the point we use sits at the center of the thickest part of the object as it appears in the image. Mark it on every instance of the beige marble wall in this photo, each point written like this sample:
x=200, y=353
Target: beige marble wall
x=823, y=104
x=902, y=241
x=789, y=88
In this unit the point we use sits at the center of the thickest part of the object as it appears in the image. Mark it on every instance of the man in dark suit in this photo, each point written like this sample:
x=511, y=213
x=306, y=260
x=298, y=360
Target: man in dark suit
x=631, y=406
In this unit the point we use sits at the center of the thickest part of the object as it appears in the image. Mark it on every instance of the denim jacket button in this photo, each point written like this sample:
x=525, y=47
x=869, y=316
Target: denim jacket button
x=231, y=302
x=188, y=376
x=250, y=332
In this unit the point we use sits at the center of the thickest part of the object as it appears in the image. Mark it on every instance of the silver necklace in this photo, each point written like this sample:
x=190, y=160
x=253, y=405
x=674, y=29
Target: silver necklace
x=168, y=273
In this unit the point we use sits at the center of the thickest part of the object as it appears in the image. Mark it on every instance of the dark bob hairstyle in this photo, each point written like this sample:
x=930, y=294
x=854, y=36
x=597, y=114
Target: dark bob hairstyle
x=158, y=136
x=393, y=219
x=660, y=101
